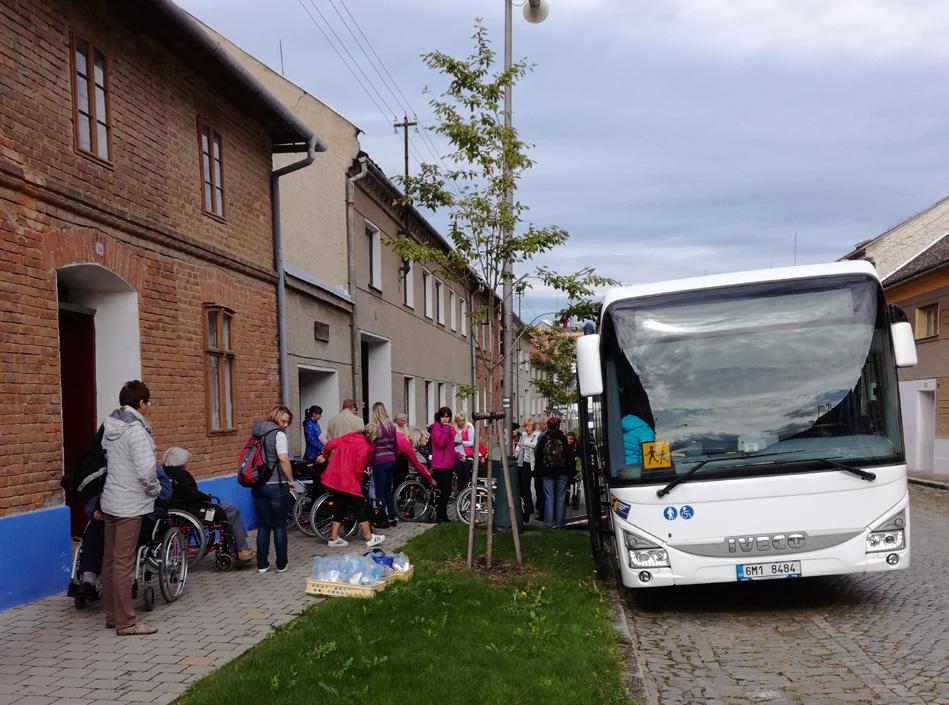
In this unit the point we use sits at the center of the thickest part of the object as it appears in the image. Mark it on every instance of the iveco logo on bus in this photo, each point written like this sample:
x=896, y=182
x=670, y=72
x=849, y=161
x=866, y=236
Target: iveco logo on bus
x=763, y=544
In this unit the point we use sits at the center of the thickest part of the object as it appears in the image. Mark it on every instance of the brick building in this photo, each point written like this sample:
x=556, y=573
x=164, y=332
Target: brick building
x=136, y=241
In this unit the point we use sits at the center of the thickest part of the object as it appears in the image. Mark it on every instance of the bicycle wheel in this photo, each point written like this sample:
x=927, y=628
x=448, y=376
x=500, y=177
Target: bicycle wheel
x=301, y=514
x=193, y=532
x=463, y=505
x=412, y=501
x=173, y=565
x=321, y=518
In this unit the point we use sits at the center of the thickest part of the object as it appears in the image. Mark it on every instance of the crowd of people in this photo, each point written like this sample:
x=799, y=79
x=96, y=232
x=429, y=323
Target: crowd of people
x=361, y=464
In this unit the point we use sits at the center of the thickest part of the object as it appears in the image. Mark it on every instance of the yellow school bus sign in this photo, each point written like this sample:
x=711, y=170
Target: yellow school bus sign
x=656, y=455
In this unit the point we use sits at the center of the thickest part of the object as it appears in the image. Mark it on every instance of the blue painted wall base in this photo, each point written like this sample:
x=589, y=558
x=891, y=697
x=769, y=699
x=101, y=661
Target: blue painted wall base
x=38, y=550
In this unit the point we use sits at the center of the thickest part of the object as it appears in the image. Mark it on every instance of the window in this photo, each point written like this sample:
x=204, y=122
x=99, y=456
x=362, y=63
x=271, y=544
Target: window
x=212, y=170
x=408, y=399
x=439, y=302
x=408, y=284
x=374, y=248
x=442, y=400
x=927, y=321
x=427, y=293
x=430, y=407
x=92, y=117
x=464, y=318
x=453, y=309
x=220, y=367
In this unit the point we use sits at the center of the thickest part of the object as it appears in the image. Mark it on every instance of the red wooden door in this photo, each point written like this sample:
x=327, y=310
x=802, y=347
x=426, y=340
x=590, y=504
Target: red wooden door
x=77, y=364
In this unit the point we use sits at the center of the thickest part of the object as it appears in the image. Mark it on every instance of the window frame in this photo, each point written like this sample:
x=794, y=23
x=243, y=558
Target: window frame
x=408, y=401
x=427, y=294
x=220, y=353
x=922, y=312
x=408, y=284
x=453, y=309
x=91, y=51
x=464, y=317
x=374, y=250
x=203, y=126
x=439, y=302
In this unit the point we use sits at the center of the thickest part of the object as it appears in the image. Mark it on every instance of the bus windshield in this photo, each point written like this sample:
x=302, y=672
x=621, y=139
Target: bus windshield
x=794, y=371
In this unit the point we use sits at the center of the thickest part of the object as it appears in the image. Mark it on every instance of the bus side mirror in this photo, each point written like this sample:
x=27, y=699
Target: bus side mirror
x=904, y=346
x=589, y=371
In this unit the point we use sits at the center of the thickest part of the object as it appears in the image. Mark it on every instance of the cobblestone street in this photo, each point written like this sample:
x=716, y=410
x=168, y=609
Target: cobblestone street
x=53, y=654
x=875, y=638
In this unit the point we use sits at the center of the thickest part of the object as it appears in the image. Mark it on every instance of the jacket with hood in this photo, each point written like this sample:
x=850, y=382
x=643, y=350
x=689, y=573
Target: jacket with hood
x=131, y=483
x=348, y=457
x=443, y=446
x=635, y=433
x=268, y=432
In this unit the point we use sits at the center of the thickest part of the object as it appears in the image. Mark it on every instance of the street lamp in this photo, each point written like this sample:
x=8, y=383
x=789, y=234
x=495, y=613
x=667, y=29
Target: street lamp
x=535, y=11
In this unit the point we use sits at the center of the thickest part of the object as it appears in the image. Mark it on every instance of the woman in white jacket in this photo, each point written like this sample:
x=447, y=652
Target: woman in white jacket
x=524, y=450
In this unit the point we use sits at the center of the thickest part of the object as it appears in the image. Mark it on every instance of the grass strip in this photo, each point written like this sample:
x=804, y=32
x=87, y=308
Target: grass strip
x=448, y=636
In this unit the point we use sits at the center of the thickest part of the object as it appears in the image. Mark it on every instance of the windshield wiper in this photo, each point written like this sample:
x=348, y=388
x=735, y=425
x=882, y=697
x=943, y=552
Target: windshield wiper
x=868, y=476
x=737, y=456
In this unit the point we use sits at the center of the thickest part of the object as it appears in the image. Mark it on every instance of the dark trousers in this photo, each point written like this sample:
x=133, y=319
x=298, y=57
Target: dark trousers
x=524, y=480
x=93, y=546
x=118, y=569
x=272, y=502
x=382, y=477
x=346, y=505
x=401, y=471
x=463, y=471
x=443, y=480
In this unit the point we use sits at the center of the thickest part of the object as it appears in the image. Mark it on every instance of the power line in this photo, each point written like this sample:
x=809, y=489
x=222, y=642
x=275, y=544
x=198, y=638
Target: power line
x=353, y=59
x=333, y=46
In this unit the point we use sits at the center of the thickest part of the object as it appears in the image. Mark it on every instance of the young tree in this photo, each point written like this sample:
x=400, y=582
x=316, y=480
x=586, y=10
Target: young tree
x=486, y=228
x=486, y=231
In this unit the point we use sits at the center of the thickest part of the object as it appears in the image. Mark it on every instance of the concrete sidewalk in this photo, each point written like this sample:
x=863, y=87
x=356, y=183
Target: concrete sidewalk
x=929, y=479
x=53, y=654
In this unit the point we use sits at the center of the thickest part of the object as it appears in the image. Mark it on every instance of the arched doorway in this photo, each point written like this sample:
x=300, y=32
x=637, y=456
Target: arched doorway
x=99, y=350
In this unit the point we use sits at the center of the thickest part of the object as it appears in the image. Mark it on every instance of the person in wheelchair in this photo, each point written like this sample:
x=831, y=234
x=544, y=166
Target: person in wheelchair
x=185, y=494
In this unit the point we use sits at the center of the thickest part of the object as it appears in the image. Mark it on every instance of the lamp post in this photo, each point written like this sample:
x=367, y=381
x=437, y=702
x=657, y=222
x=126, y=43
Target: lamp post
x=535, y=11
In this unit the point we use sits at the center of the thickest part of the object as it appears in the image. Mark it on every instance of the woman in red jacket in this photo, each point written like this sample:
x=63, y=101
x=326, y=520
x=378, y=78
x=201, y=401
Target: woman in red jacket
x=443, y=459
x=348, y=457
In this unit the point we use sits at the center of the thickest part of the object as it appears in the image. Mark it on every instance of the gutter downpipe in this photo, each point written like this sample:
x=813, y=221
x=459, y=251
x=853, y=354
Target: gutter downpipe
x=311, y=143
x=354, y=340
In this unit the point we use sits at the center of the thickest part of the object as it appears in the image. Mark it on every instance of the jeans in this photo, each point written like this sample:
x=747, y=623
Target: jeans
x=93, y=546
x=555, y=500
x=272, y=502
x=382, y=478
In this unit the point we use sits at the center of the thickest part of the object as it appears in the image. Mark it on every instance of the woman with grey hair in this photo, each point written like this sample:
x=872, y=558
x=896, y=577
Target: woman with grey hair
x=185, y=493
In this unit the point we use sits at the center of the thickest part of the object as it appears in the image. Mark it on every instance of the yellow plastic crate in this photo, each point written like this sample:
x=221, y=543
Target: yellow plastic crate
x=330, y=589
x=397, y=575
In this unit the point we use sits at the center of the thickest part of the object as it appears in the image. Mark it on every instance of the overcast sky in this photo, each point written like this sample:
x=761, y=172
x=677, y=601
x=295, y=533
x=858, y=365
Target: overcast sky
x=672, y=137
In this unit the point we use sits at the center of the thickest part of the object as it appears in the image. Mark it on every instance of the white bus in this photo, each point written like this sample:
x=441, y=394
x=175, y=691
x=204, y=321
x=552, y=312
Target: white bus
x=747, y=426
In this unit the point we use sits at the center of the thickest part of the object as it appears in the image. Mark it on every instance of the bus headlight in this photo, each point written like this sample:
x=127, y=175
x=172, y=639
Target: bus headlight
x=878, y=541
x=644, y=553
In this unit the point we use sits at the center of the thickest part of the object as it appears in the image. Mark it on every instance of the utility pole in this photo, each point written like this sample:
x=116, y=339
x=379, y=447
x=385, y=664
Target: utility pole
x=405, y=125
x=281, y=58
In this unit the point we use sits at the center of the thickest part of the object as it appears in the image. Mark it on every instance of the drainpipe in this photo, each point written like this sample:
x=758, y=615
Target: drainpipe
x=354, y=340
x=311, y=144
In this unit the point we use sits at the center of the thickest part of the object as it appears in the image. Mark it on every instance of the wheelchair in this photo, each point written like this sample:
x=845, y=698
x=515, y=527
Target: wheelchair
x=203, y=533
x=160, y=556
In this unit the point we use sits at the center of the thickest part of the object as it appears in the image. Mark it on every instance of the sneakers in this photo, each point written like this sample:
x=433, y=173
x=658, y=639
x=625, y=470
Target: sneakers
x=337, y=542
x=263, y=570
x=284, y=569
x=393, y=522
x=375, y=540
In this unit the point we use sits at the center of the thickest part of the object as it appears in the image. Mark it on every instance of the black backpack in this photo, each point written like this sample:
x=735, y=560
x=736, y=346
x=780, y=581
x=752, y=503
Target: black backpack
x=555, y=454
x=87, y=478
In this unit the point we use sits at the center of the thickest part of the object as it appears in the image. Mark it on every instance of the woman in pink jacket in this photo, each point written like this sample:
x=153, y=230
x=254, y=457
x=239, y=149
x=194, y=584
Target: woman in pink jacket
x=443, y=459
x=348, y=457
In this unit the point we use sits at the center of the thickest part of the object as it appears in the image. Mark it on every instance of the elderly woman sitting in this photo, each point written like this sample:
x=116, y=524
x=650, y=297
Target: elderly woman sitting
x=185, y=493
